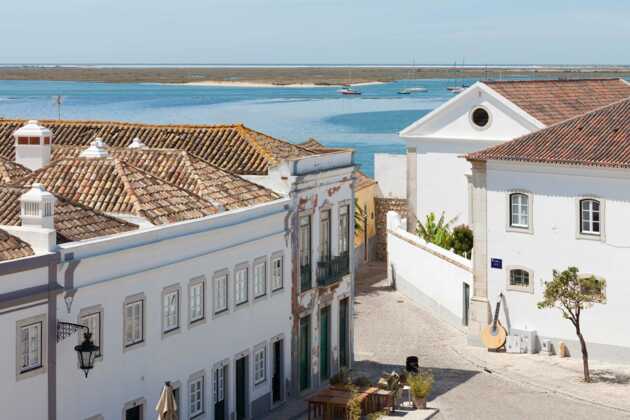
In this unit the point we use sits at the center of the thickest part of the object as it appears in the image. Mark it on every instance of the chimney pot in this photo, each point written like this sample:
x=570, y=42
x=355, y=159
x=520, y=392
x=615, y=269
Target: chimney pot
x=32, y=145
x=97, y=149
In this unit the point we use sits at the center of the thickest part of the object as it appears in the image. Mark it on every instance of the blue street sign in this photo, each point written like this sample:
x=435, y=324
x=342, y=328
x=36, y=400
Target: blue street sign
x=496, y=263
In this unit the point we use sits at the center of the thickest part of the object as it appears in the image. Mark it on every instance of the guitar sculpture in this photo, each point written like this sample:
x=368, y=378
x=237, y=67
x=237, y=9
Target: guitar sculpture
x=493, y=336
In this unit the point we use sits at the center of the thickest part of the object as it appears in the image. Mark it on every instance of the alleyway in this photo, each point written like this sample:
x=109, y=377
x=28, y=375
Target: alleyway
x=389, y=327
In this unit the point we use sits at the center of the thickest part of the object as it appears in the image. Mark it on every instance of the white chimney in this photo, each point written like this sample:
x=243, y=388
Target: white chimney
x=37, y=211
x=136, y=143
x=97, y=149
x=32, y=145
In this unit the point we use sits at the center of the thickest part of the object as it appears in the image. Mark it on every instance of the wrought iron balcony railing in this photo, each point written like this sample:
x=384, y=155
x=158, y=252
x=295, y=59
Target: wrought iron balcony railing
x=333, y=270
x=305, y=278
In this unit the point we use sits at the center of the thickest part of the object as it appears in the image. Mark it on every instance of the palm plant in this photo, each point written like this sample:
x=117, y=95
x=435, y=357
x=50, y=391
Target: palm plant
x=360, y=218
x=437, y=232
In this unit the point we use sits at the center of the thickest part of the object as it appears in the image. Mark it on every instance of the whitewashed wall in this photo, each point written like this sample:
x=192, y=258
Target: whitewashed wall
x=554, y=245
x=427, y=273
x=24, y=397
x=390, y=171
x=109, y=270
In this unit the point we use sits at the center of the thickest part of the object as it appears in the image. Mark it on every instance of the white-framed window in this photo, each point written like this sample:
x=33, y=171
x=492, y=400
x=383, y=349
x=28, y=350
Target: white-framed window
x=277, y=270
x=260, y=278
x=219, y=384
x=344, y=229
x=195, y=397
x=220, y=292
x=305, y=252
x=93, y=320
x=324, y=236
x=260, y=365
x=196, y=299
x=134, y=322
x=519, y=210
x=30, y=348
x=590, y=216
x=520, y=279
x=241, y=285
x=170, y=310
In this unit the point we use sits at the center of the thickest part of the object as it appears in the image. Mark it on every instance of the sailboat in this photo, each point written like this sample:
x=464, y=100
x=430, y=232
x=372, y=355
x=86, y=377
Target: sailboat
x=410, y=90
x=458, y=89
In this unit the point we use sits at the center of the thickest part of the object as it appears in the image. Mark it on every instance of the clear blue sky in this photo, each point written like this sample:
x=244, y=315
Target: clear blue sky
x=316, y=31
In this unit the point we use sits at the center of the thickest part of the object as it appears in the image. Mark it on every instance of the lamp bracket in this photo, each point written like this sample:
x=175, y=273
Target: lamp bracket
x=66, y=329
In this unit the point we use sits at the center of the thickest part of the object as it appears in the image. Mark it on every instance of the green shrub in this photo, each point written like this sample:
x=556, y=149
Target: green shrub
x=435, y=231
x=462, y=241
x=341, y=378
x=361, y=382
x=353, y=411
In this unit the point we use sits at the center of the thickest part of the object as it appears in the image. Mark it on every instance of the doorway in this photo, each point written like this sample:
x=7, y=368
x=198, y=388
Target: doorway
x=324, y=344
x=276, y=373
x=344, y=351
x=241, y=388
x=220, y=387
x=305, y=352
x=466, y=303
x=134, y=413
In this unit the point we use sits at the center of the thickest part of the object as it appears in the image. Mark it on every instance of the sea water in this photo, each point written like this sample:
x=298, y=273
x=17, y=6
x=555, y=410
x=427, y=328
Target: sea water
x=368, y=123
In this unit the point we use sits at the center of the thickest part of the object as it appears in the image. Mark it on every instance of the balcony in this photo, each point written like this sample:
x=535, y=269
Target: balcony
x=332, y=271
x=305, y=278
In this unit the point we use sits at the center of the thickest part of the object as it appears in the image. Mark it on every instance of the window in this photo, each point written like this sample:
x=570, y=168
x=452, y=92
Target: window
x=590, y=217
x=276, y=273
x=240, y=285
x=519, y=210
x=177, y=397
x=305, y=252
x=195, y=388
x=170, y=310
x=196, y=297
x=260, y=362
x=134, y=314
x=519, y=278
x=260, y=278
x=30, y=347
x=324, y=236
x=344, y=230
x=480, y=117
x=219, y=384
x=92, y=320
x=220, y=293
x=134, y=410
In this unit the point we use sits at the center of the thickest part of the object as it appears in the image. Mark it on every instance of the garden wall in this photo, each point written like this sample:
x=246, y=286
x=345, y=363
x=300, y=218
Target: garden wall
x=383, y=205
x=428, y=274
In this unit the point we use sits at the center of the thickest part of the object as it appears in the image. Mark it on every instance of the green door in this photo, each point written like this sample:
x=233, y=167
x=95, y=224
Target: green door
x=324, y=343
x=305, y=353
x=343, y=333
x=241, y=388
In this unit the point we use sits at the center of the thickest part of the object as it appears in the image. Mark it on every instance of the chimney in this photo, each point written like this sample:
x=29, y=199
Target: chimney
x=136, y=143
x=97, y=149
x=37, y=211
x=32, y=145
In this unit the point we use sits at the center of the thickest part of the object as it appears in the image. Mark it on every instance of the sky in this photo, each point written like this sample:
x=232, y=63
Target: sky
x=316, y=31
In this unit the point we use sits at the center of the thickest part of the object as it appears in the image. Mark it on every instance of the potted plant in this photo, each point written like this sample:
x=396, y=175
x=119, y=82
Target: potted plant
x=420, y=385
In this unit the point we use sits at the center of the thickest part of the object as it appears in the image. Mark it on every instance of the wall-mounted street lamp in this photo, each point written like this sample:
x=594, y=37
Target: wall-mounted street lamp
x=86, y=351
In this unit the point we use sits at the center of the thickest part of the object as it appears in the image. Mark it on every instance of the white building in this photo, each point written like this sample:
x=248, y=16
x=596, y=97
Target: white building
x=184, y=271
x=486, y=114
x=550, y=200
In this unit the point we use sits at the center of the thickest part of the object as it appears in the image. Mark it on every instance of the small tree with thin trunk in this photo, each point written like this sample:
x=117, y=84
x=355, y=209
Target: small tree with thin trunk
x=572, y=293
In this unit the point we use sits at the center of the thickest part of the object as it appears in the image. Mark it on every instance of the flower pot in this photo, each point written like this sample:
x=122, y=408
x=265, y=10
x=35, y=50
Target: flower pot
x=420, y=403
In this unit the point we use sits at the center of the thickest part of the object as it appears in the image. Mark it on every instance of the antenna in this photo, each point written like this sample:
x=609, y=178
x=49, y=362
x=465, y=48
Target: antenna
x=58, y=100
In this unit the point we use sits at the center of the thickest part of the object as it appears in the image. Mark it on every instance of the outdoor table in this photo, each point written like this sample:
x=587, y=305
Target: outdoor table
x=333, y=401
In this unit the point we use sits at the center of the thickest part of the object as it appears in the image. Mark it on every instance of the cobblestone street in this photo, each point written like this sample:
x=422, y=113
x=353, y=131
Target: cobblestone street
x=389, y=327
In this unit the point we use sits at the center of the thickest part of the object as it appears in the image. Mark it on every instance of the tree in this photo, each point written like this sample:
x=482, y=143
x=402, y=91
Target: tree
x=438, y=232
x=360, y=218
x=572, y=293
x=462, y=241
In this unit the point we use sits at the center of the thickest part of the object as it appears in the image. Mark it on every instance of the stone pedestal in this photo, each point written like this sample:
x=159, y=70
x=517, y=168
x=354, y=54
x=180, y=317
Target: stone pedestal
x=478, y=318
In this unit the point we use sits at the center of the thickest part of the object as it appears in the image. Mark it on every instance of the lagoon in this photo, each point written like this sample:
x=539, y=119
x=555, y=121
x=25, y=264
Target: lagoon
x=368, y=123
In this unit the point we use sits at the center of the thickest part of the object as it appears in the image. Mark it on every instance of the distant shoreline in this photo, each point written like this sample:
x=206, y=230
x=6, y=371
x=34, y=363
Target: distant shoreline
x=296, y=76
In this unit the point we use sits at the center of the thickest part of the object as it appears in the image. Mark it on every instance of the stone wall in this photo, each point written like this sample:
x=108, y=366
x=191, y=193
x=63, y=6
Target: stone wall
x=383, y=205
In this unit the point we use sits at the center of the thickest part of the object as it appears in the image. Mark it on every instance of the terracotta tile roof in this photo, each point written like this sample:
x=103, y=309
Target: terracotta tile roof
x=10, y=171
x=552, y=101
x=73, y=221
x=111, y=185
x=234, y=148
x=188, y=172
x=312, y=144
x=12, y=247
x=599, y=138
x=362, y=181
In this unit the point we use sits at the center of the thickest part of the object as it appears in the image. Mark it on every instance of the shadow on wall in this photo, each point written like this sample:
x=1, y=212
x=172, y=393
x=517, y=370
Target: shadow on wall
x=445, y=379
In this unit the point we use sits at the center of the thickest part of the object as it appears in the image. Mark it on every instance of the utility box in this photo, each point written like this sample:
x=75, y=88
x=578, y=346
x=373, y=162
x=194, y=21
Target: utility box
x=529, y=339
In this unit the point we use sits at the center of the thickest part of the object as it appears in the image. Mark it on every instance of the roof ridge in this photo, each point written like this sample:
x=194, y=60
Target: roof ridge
x=247, y=133
x=588, y=79
x=124, y=123
x=135, y=200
